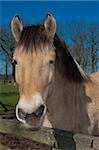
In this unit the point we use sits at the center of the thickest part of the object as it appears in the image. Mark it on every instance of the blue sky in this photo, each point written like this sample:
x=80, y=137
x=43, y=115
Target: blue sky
x=64, y=11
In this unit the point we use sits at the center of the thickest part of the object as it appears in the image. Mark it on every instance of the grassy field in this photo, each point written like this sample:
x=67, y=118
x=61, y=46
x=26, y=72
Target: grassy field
x=8, y=94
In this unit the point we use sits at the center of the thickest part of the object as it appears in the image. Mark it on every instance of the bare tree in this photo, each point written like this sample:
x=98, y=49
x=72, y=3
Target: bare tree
x=7, y=45
x=85, y=43
x=6, y=68
x=93, y=43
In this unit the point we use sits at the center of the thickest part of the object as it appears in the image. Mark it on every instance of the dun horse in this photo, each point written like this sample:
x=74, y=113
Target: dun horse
x=54, y=90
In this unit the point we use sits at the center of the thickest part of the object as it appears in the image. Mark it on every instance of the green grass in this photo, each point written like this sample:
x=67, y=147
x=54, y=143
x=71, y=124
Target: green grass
x=9, y=94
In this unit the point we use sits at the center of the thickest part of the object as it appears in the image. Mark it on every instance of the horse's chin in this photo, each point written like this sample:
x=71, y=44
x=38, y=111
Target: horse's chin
x=33, y=127
x=33, y=122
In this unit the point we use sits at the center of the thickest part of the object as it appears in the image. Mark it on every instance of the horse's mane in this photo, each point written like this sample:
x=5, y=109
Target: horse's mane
x=35, y=35
x=65, y=62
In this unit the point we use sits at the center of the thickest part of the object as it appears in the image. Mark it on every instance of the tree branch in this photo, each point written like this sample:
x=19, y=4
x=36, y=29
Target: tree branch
x=6, y=52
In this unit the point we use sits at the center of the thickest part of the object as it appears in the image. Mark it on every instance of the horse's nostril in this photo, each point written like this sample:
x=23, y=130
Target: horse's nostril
x=41, y=111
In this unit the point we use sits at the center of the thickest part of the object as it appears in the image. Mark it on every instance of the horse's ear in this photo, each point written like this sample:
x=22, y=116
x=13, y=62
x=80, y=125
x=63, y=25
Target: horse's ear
x=17, y=27
x=50, y=25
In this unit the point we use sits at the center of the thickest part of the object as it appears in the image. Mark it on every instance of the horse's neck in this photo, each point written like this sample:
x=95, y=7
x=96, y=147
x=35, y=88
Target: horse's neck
x=62, y=89
x=60, y=102
x=65, y=104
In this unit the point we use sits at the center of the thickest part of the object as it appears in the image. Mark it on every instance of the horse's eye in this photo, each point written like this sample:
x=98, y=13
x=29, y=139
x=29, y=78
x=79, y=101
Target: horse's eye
x=51, y=61
x=14, y=62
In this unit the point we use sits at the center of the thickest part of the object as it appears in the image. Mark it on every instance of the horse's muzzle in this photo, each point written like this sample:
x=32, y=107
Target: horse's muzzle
x=33, y=120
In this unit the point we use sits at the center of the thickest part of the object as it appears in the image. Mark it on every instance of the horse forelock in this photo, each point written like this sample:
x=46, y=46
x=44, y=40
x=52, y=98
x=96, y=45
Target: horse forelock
x=33, y=37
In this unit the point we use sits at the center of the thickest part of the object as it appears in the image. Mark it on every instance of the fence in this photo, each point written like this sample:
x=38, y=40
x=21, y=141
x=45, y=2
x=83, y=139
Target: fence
x=57, y=139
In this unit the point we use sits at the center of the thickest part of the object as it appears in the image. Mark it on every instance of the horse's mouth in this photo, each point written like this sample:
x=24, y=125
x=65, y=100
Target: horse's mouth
x=34, y=120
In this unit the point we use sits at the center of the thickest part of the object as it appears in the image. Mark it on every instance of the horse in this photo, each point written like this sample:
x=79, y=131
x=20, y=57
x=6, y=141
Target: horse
x=54, y=90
